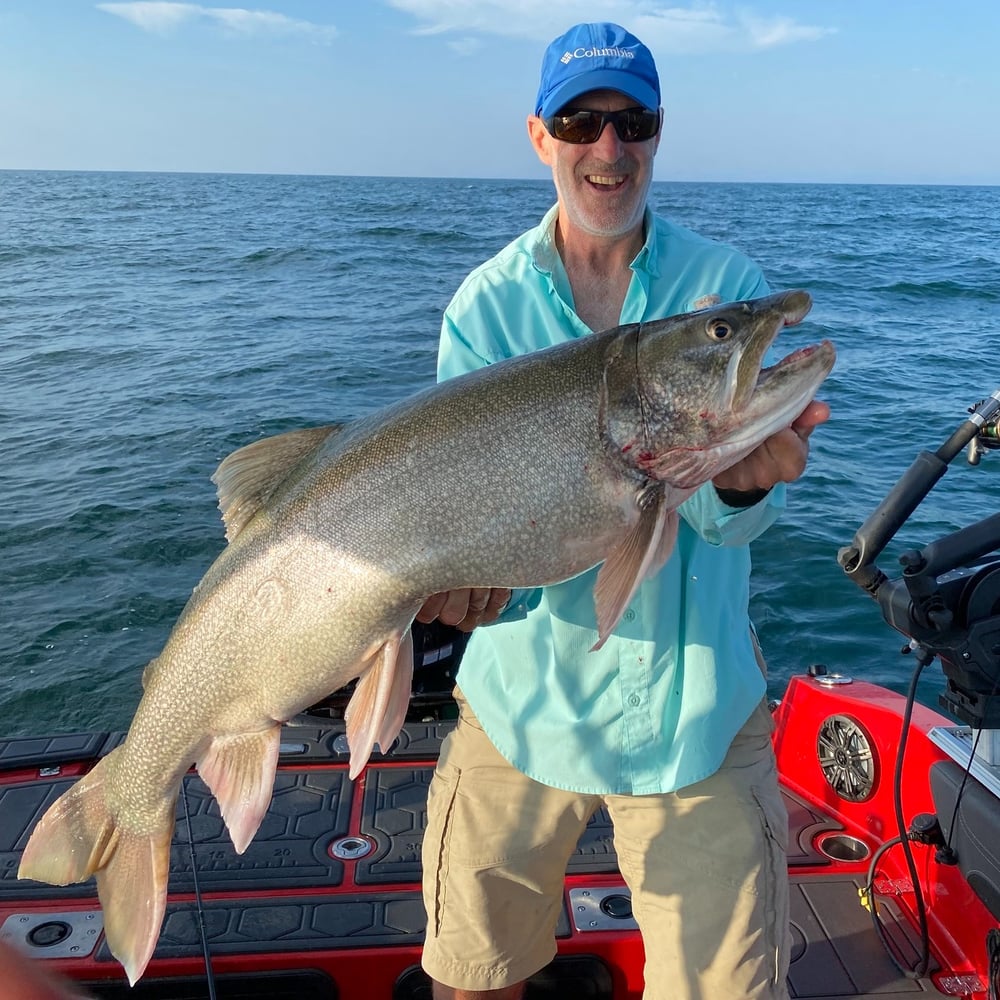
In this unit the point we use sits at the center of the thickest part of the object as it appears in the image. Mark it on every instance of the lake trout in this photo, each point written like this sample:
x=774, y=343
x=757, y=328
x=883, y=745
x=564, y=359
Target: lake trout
x=521, y=474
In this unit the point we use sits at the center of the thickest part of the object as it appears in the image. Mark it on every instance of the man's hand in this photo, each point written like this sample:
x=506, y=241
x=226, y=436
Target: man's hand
x=780, y=459
x=466, y=608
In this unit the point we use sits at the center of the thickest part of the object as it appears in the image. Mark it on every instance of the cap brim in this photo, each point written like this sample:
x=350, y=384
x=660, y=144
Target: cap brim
x=601, y=79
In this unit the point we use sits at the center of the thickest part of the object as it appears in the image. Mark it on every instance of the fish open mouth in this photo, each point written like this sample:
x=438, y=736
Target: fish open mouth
x=796, y=358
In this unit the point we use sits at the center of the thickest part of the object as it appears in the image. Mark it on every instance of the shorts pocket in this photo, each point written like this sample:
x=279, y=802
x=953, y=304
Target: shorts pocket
x=435, y=852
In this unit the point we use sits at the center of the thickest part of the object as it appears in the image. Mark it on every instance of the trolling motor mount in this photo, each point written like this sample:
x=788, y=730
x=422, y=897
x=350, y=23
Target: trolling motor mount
x=947, y=597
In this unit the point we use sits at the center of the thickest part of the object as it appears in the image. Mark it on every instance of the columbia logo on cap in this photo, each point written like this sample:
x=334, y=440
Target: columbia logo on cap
x=583, y=53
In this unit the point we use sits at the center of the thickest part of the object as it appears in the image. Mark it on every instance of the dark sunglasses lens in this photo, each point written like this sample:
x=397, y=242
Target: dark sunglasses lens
x=581, y=126
x=635, y=125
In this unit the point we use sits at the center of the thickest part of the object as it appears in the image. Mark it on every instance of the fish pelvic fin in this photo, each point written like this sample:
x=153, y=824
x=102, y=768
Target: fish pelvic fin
x=79, y=837
x=638, y=556
x=248, y=477
x=377, y=709
x=239, y=770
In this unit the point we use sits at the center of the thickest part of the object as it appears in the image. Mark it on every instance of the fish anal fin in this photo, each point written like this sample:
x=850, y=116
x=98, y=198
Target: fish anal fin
x=239, y=770
x=377, y=709
x=638, y=556
x=78, y=837
x=250, y=475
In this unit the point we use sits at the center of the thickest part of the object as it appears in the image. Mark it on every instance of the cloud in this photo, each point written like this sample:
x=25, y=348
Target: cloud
x=696, y=28
x=466, y=46
x=162, y=17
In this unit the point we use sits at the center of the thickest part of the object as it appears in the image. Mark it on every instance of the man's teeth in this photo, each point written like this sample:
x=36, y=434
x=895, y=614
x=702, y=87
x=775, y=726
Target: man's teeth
x=604, y=179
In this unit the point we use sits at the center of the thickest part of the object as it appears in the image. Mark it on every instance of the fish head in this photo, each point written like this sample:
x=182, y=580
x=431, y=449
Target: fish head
x=689, y=396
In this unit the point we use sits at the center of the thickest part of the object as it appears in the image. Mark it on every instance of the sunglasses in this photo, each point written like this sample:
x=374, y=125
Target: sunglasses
x=632, y=125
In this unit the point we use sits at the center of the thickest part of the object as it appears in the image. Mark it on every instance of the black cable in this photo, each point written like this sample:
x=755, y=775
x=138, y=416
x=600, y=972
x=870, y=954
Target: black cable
x=870, y=891
x=993, y=956
x=923, y=658
x=968, y=769
x=209, y=973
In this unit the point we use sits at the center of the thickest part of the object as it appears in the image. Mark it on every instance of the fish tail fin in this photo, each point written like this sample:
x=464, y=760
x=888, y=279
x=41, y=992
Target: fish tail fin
x=239, y=770
x=377, y=709
x=78, y=837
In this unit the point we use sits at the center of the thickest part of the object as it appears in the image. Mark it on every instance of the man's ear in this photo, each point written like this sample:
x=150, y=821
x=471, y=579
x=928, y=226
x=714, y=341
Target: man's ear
x=540, y=139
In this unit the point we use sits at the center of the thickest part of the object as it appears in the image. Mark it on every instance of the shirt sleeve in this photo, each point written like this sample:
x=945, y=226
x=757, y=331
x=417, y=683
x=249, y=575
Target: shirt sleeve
x=458, y=351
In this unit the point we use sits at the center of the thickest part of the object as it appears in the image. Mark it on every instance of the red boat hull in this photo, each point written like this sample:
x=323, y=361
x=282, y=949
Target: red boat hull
x=326, y=901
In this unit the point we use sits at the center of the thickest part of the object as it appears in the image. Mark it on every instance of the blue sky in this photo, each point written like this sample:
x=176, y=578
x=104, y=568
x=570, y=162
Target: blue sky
x=761, y=90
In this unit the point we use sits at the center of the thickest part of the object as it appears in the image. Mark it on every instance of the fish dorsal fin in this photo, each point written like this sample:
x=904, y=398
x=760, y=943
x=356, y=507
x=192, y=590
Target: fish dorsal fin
x=638, y=556
x=250, y=475
x=377, y=709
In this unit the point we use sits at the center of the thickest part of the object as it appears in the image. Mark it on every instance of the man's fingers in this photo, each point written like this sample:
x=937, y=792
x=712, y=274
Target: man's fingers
x=811, y=417
x=431, y=608
x=466, y=608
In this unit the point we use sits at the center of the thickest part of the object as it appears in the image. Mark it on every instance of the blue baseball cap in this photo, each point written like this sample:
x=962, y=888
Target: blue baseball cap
x=601, y=56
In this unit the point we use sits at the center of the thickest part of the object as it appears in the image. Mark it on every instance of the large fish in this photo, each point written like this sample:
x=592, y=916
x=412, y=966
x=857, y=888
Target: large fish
x=523, y=473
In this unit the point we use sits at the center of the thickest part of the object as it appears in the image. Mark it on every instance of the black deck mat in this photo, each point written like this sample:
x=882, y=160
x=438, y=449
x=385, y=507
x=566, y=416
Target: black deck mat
x=310, y=810
x=835, y=950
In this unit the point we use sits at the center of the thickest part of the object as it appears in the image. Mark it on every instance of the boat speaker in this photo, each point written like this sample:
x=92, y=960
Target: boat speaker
x=847, y=758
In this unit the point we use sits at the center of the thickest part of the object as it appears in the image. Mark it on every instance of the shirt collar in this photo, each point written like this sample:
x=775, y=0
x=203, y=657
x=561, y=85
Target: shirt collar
x=545, y=255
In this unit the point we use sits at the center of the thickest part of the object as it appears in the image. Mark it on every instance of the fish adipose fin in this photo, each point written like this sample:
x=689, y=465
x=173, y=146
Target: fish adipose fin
x=377, y=709
x=78, y=838
x=249, y=476
x=638, y=556
x=239, y=769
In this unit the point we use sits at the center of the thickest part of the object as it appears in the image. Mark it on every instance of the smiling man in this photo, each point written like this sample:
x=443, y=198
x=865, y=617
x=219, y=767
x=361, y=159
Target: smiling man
x=667, y=724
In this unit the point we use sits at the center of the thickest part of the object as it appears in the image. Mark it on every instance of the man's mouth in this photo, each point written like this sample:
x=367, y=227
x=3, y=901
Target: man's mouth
x=606, y=180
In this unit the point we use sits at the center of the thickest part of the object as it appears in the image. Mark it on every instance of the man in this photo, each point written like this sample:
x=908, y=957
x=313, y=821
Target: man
x=667, y=724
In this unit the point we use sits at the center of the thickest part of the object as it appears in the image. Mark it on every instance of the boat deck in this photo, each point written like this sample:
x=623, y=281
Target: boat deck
x=326, y=900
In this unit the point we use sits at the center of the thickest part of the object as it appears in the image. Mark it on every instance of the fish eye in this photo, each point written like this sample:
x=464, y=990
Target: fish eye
x=719, y=329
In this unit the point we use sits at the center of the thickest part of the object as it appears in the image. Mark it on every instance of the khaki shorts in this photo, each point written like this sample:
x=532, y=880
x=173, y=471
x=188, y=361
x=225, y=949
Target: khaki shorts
x=706, y=867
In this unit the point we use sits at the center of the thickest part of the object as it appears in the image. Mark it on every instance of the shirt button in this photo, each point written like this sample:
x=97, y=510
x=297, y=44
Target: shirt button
x=634, y=699
x=629, y=615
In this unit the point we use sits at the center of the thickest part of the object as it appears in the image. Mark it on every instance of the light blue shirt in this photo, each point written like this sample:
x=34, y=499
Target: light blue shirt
x=657, y=706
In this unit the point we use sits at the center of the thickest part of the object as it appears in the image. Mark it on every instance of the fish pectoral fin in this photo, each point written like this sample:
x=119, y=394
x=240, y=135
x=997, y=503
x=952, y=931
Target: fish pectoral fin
x=249, y=476
x=639, y=555
x=377, y=709
x=78, y=837
x=685, y=468
x=239, y=770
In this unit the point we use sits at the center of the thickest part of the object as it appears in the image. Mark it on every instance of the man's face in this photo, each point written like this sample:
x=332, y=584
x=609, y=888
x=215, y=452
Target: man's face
x=602, y=186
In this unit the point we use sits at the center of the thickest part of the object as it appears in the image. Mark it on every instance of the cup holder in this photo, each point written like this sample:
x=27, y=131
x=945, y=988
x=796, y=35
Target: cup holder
x=841, y=847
